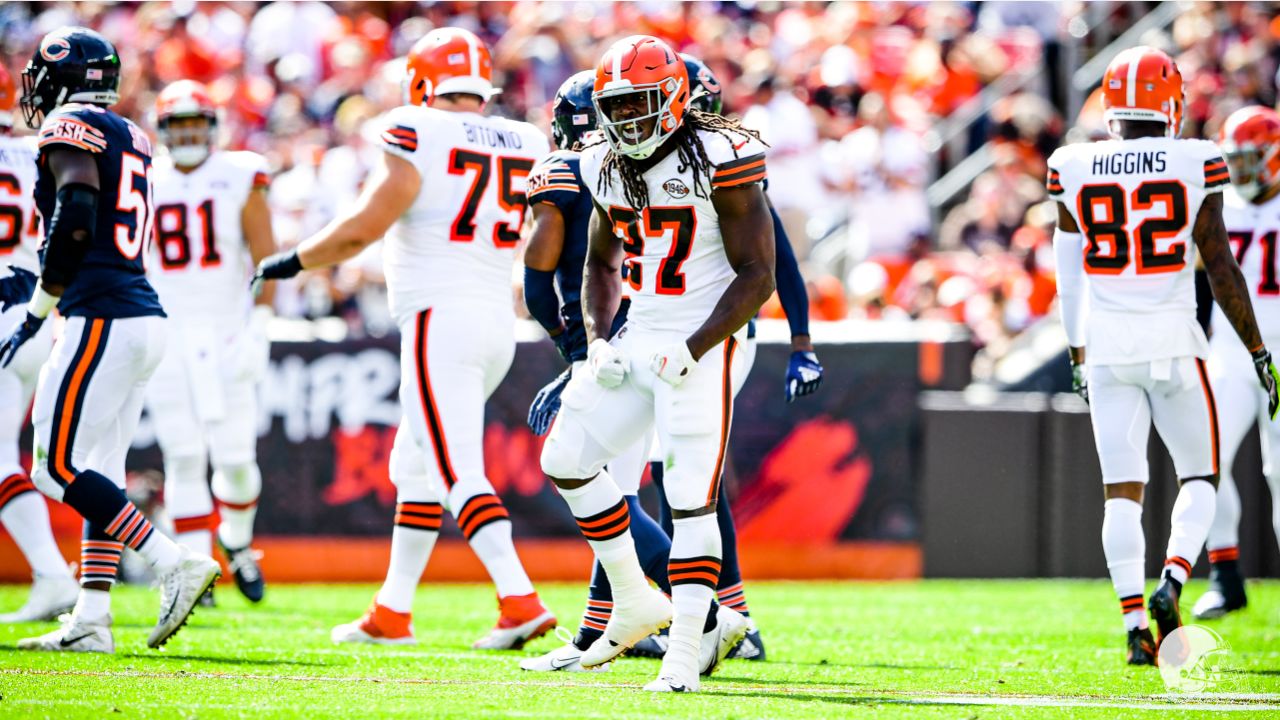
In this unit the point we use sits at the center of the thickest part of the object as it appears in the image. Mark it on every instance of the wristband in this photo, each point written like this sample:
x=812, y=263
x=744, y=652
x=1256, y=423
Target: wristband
x=42, y=303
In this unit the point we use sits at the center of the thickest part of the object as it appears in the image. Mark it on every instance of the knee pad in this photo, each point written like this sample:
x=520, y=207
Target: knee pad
x=408, y=471
x=237, y=484
x=690, y=485
x=568, y=453
x=467, y=488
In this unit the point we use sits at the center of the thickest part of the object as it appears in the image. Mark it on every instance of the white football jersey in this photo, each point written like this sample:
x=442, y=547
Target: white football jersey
x=19, y=219
x=200, y=263
x=1136, y=202
x=1254, y=231
x=456, y=242
x=677, y=268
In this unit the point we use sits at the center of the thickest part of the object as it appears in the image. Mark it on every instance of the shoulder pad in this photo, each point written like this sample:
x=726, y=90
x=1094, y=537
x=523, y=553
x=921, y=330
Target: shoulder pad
x=74, y=125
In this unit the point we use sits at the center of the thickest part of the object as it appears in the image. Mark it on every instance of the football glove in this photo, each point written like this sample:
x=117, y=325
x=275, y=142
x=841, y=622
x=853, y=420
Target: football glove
x=1270, y=379
x=608, y=364
x=546, y=404
x=20, y=335
x=1080, y=381
x=281, y=266
x=564, y=344
x=673, y=363
x=16, y=288
x=804, y=375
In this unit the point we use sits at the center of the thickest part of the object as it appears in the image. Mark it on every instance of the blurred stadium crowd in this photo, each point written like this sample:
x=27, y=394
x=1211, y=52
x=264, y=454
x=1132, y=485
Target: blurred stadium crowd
x=845, y=93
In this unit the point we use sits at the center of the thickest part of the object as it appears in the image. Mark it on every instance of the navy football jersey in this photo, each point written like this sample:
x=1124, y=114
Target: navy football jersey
x=112, y=280
x=556, y=180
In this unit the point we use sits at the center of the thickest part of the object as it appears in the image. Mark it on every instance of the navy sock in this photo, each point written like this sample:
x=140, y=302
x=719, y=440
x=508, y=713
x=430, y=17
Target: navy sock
x=664, y=510
x=729, y=590
x=104, y=505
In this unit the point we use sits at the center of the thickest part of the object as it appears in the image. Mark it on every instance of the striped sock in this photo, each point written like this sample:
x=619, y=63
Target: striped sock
x=1177, y=568
x=605, y=522
x=196, y=532
x=1221, y=555
x=99, y=556
x=1133, y=609
x=485, y=522
x=417, y=527
x=734, y=598
x=594, y=620
x=694, y=571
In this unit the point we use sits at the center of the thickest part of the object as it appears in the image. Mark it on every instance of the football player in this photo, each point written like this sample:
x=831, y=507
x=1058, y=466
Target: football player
x=94, y=186
x=22, y=511
x=450, y=188
x=213, y=226
x=1250, y=141
x=1131, y=213
x=678, y=200
x=561, y=207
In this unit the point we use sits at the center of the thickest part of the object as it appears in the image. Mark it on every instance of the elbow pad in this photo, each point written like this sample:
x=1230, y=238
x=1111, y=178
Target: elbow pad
x=1068, y=250
x=70, y=233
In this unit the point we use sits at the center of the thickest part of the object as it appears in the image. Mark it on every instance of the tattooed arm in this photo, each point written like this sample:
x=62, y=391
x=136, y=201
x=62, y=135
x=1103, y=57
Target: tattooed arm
x=1229, y=287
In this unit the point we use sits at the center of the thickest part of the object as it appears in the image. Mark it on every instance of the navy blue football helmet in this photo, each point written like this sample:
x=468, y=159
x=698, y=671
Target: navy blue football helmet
x=72, y=64
x=573, y=114
x=704, y=86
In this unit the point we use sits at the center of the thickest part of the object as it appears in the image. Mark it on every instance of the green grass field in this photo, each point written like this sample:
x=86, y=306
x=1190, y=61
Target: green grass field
x=911, y=649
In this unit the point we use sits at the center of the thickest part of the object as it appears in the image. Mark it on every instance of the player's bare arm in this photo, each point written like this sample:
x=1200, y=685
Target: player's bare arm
x=391, y=189
x=601, y=277
x=255, y=219
x=1228, y=283
x=747, y=229
x=544, y=245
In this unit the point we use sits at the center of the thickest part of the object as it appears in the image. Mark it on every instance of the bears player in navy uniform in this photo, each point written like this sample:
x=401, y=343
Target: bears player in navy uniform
x=94, y=189
x=562, y=207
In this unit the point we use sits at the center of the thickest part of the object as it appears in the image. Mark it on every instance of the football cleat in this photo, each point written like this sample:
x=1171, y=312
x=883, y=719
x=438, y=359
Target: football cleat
x=180, y=589
x=522, y=618
x=751, y=647
x=379, y=625
x=566, y=658
x=244, y=567
x=654, y=646
x=633, y=619
x=206, y=600
x=731, y=628
x=1225, y=593
x=1142, y=647
x=672, y=682
x=49, y=598
x=1164, y=610
x=75, y=635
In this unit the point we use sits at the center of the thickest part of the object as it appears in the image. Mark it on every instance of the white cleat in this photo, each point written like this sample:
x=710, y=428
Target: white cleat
x=632, y=621
x=731, y=627
x=1211, y=606
x=75, y=635
x=566, y=658
x=49, y=598
x=672, y=684
x=180, y=589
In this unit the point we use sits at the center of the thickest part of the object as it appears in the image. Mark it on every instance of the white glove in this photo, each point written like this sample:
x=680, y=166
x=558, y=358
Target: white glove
x=258, y=349
x=673, y=363
x=608, y=364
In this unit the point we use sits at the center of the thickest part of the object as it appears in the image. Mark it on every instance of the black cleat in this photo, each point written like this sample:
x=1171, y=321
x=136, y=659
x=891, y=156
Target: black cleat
x=1142, y=647
x=654, y=646
x=244, y=565
x=1164, y=608
x=206, y=600
x=1225, y=593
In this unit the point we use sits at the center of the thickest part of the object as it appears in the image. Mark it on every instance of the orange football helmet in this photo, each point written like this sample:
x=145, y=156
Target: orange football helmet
x=644, y=66
x=448, y=60
x=188, y=142
x=1143, y=83
x=8, y=97
x=1250, y=140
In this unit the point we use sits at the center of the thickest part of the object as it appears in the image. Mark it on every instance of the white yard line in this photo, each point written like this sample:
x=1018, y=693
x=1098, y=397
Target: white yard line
x=1225, y=702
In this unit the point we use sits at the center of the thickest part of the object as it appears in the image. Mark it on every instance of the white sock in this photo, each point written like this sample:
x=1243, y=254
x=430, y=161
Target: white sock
x=237, y=488
x=410, y=551
x=492, y=544
x=188, y=502
x=93, y=605
x=161, y=552
x=694, y=570
x=605, y=522
x=1125, y=548
x=200, y=541
x=1225, y=530
x=26, y=517
x=1189, y=526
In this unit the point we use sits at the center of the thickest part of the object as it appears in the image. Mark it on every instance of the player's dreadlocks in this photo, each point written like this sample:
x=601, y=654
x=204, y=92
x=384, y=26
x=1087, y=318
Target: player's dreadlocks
x=691, y=153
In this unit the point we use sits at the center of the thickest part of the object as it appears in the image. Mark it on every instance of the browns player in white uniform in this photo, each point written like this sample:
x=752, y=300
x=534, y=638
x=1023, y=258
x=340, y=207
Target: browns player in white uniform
x=1250, y=141
x=22, y=510
x=1131, y=213
x=679, y=200
x=449, y=193
x=212, y=227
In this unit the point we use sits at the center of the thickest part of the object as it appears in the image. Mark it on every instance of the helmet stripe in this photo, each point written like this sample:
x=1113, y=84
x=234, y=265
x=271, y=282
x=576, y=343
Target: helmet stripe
x=1131, y=83
x=474, y=53
x=617, y=66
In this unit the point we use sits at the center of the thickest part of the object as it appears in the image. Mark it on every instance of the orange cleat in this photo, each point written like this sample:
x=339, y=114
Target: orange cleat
x=379, y=625
x=523, y=618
